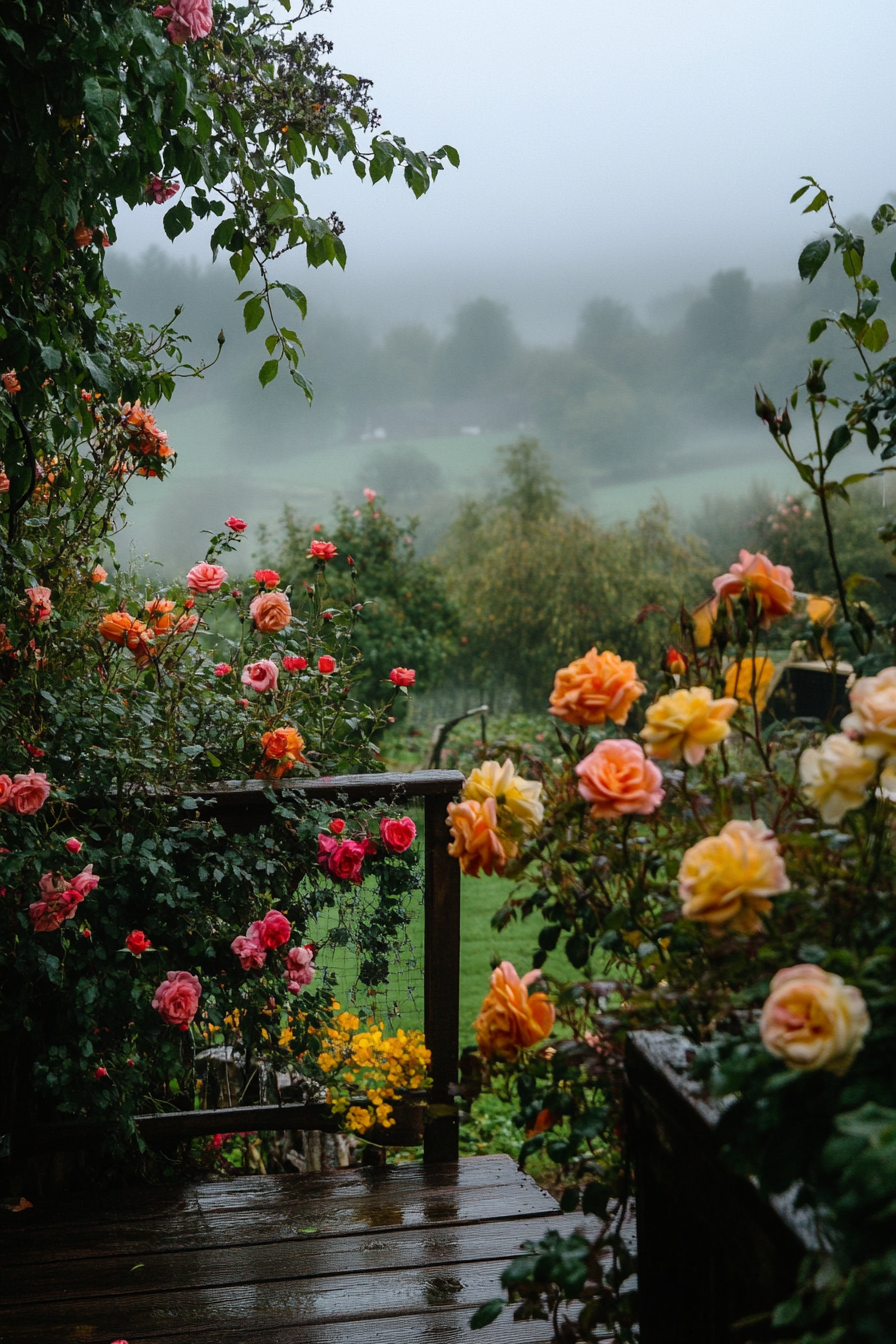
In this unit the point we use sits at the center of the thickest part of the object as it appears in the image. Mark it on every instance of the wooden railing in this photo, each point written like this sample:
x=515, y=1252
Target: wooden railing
x=241, y=807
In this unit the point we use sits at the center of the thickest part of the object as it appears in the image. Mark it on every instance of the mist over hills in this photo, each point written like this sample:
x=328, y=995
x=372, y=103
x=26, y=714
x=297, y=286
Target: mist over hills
x=625, y=408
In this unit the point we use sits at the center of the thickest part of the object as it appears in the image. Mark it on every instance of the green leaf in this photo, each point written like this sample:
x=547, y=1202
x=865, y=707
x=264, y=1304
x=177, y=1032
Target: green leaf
x=296, y=295
x=876, y=336
x=488, y=1312
x=268, y=372
x=303, y=383
x=883, y=218
x=595, y=1199
x=177, y=220
x=818, y=328
x=852, y=262
x=578, y=947
x=51, y=357
x=872, y=435
x=253, y=313
x=813, y=257
x=800, y=191
x=569, y=1200
x=840, y=439
x=453, y=157
x=817, y=203
x=241, y=262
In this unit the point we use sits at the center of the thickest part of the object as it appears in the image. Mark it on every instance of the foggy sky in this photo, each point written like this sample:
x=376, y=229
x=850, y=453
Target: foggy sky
x=606, y=149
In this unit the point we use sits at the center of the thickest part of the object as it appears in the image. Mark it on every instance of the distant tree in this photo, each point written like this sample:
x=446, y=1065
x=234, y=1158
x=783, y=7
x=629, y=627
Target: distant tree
x=478, y=352
x=722, y=323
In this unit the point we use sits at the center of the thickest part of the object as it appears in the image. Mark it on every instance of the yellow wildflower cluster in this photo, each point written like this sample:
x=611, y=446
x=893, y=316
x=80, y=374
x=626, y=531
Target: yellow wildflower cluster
x=370, y=1062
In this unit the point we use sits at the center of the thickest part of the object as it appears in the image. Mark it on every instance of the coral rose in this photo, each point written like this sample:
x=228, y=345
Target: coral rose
x=177, y=999
x=281, y=749
x=685, y=723
x=873, y=717
x=235, y=524
x=595, y=688
x=513, y=795
x=261, y=676
x=402, y=676
x=727, y=879
x=10, y=382
x=836, y=776
x=27, y=794
x=322, y=550
x=750, y=677
x=769, y=587
x=250, y=952
x=300, y=968
x=292, y=663
x=99, y=575
x=266, y=578
x=206, y=578
x=137, y=943
x=475, y=840
x=271, y=612
x=326, y=664
x=190, y=19
x=812, y=1020
x=398, y=834
x=511, y=1019
x=41, y=606
x=617, y=779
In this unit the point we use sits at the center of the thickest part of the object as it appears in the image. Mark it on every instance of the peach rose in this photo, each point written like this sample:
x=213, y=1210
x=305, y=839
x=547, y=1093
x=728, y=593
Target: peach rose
x=769, y=587
x=686, y=723
x=10, y=382
x=118, y=627
x=812, y=1020
x=727, y=879
x=749, y=677
x=873, y=717
x=190, y=19
x=160, y=609
x=177, y=999
x=271, y=612
x=595, y=688
x=250, y=952
x=512, y=794
x=99, y=575
x=836, y=776
x=281, y=749
x=41, y=606
x=27, y=794
x=205, y=578
x=261, y=676
x=616, y=778
x=300, y=968
x=511, y=1019
x=475, y=840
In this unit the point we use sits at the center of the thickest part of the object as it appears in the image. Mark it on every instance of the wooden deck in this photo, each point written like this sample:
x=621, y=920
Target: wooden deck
x=385, y=1255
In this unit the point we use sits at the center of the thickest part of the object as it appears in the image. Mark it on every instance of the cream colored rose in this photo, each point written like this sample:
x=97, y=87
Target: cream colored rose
x=510, y=791
x=812, y=1020
x=726, y=880
x=836, y=776
x=873, y=717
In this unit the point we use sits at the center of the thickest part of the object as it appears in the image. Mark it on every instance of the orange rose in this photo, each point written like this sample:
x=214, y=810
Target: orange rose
x=160, y=608
x=120, y=628
x=769, y=587
x=475, y=839
x=749, y=677
x=685, y=723
x=511, y=1019
x=281, y=749
x=595, y=688
x=271, y=612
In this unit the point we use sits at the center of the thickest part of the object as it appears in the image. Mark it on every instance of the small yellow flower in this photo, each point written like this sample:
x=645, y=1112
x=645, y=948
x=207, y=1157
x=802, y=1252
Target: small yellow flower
x=286, y=1036
x=686, y=723
x=750, y=677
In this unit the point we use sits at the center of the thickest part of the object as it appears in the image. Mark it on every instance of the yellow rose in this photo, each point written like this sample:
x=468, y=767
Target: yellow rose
x=727, y=879
x=704, y=618
x=873, y=716
x=510, y=791
x=685, y=723
x=812, y=1020
x=836, y=776
x=749, y=677
x=511, y=1018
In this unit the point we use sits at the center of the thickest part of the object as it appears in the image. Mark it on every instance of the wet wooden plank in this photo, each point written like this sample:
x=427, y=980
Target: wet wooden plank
x=443, y=1327
x=200, y=1269
x=226, y=1312
x=301, y=1220
x=264, y=1193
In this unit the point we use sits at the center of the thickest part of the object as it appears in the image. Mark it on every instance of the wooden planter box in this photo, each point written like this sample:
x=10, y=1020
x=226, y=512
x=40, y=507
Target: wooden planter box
x=714, y=1258
x=28, y=1146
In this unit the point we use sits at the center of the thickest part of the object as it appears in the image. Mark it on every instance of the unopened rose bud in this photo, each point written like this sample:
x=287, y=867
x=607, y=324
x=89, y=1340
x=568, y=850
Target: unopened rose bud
x=73, y=846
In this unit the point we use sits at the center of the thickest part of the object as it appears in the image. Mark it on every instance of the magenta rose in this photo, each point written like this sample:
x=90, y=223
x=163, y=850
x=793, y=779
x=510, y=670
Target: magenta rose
x=272, y=931
x=190, y=19
x=300, y=969
x=177, y=999
x=250, y=952
x=27, y=794
x=346, y=860
x=205, y=578
x=397, y=835
x=261, y=676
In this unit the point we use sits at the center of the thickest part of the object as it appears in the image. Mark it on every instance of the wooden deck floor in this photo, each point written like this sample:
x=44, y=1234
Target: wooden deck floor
x=365, y=1256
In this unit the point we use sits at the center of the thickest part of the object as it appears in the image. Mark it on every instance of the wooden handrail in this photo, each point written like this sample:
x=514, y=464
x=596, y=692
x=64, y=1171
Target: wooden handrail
x=249, y=801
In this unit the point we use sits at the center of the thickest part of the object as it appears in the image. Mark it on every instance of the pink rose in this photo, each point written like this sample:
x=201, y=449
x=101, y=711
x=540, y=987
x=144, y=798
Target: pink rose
x=322, y=550
x=235, y=524
x=369, y=495
x=397, y=835
x=402, y=676
x=73, y=846
x=261, y=676
x=28, y=794
x=300, y=968
x=326, y=844
x=5, y=790
x=222, y=669
x=252, y=956
x=177, y=999
x=272, y=931
x=41, y=606
x=346, y=860
x=205, y=578
x=85, y=881
x=617, y=779
x=159, y=191
x=190, y=19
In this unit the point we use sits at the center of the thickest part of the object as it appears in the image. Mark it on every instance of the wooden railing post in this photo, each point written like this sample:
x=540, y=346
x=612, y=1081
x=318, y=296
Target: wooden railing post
x=441, y=980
